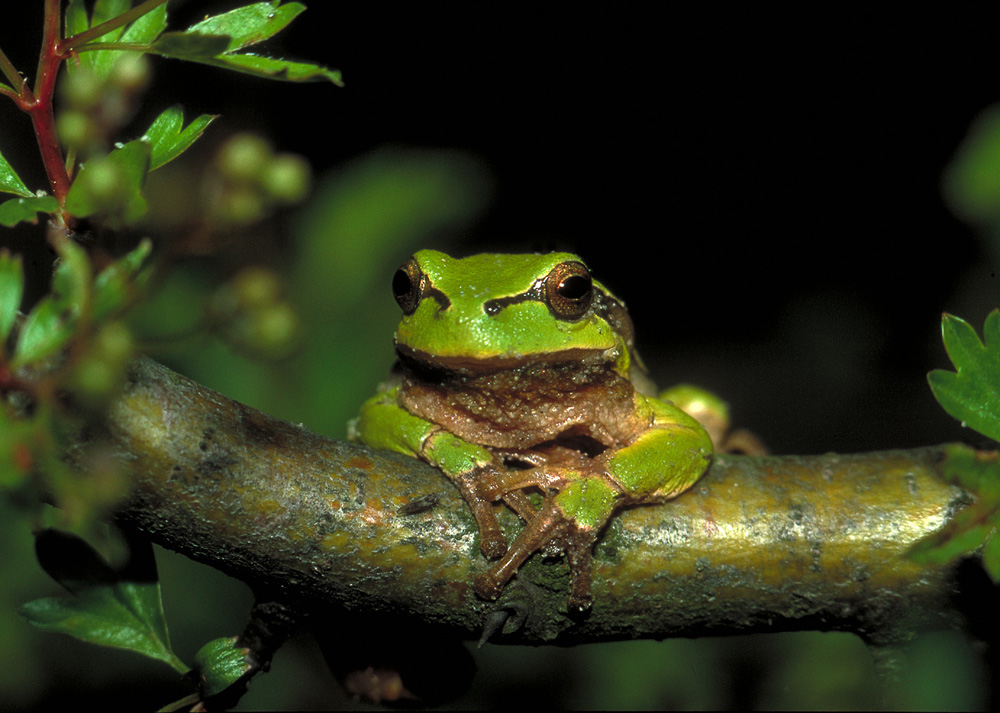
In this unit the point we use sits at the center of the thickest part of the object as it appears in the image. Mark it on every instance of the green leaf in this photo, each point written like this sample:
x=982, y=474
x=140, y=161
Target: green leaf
x=148, y=27
x=10, y=182
x=166, y=139
x=26, y=210
x=220, y=664
x=971, y=181
x=76, y=19
x=281, y=69
x=972, y=394
x=191, y=46
x=118, y=609
x=142, y=30
x=46, y=330
x=105, y=10
x=214, y=42
x=99, y=62
x=11, y=291
x=965, y=533
x=52, y=322
x=975, y=471
x=112, y=185
x=246, y=26
x=979, y=473
x=117, y=283
x=991, y=557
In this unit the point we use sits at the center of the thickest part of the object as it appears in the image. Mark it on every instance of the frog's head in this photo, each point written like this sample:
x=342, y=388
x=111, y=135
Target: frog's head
x=496, y=311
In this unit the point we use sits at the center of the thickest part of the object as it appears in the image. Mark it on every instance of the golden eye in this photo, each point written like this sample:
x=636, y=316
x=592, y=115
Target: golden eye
x=406, y=286
x=569, y=290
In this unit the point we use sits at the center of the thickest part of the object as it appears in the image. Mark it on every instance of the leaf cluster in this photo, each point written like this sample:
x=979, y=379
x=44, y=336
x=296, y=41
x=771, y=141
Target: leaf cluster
x=63, y=360
x=108, y=184
x=971, y=394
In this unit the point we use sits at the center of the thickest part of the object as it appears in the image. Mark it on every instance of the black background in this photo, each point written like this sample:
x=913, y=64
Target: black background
x=761, y=188
x=761, y=185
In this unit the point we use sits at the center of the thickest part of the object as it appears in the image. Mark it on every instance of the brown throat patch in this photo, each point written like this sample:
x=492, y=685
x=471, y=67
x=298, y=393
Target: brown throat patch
x=527, y=406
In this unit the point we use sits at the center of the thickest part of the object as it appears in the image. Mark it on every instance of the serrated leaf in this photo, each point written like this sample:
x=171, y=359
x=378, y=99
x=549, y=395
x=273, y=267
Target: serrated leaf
x=246, y=26
x=46, y=330
x=220, y=664
x=100, y=62
x=142, y=30
x=280, y=69
x=975, y=471
x=112, y=186
x=52, y=322
x=148, y=27
x=105, y=616
x=26, y=210
x=11, y=291
x=979, y=473
x=215, y=40
x=118, y=609
x=972, y=393
x=166, y=138
x=116, y=284
x=191, y=46
x=10, y=182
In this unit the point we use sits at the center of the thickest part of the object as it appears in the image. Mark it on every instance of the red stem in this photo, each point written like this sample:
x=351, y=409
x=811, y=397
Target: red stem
x=38, y=104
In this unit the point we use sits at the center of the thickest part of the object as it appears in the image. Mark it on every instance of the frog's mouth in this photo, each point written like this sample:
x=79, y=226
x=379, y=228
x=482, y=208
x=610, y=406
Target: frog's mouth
x=499, y=362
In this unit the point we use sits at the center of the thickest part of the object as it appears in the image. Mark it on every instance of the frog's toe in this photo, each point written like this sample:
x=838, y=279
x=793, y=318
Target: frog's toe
x=579, y=544
x=487, y=585
x=492, y=545
x=545, y=527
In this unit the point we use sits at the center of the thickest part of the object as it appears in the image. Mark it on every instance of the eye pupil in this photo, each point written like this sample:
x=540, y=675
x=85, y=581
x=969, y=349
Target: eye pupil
x=401, y=283
x=406, y=286
x=574, y=287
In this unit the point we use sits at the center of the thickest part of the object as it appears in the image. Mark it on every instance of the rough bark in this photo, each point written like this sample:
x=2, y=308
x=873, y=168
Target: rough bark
x=772, y=543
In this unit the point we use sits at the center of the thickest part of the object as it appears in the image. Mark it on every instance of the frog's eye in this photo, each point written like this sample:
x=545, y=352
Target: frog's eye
x=569, y=290
x=406, y=286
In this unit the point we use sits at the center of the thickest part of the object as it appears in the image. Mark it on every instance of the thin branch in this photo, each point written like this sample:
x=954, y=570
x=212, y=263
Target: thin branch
x=117, y=46
x=75, y=42
x=770, y=543
x=13, y=76
x=50, y=39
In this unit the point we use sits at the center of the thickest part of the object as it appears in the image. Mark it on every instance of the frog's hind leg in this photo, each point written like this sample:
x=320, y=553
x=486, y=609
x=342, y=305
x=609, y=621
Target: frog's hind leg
x=519, y=502
x=549, y=525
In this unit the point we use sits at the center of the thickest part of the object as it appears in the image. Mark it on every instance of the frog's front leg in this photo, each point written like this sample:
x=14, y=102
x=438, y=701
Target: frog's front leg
x=659, y=464
x=478, y=473
x=383, y=423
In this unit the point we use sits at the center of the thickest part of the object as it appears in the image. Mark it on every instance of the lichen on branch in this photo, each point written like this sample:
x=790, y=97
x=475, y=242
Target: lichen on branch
x=760, y=543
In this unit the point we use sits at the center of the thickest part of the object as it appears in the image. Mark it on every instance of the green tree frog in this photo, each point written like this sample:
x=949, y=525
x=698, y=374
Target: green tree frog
x=518, y=373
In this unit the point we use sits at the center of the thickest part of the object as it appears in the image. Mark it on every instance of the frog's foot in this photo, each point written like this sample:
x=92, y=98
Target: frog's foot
x=550, y=525
x=492, y=542
x=501, y=483
x=518, y=501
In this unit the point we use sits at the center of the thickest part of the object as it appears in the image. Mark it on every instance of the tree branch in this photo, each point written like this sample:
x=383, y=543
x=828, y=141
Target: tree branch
x=772, y=543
